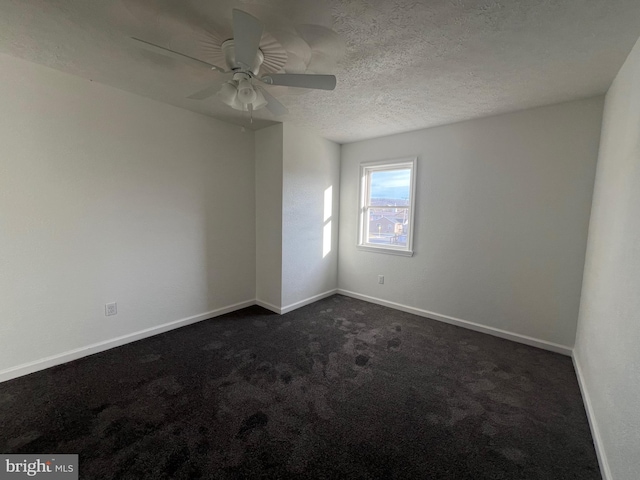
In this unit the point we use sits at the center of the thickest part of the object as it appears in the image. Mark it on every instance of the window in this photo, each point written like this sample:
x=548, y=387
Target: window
x=387, y=191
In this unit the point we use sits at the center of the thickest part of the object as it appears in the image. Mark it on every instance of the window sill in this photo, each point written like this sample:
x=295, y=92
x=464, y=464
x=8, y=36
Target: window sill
x=387, y=250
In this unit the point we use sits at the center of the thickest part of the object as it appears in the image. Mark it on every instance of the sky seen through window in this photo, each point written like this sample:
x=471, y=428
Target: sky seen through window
x=390, y=184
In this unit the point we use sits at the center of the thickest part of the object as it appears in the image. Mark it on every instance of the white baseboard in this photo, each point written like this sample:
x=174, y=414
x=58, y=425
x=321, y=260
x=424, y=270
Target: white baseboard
x=516, y=337
x=37, y=365
x=53, y=360
x=593, y=424
x=268, y=306
x=307, y=301
x=294, y=306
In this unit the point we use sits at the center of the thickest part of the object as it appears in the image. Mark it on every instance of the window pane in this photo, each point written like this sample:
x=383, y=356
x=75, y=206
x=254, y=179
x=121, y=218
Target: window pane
x=386, y=206
x=390, y=187
x=388, y=226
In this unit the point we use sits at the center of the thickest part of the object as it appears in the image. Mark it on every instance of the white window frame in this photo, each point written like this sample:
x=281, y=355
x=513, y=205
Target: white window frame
x=366, y=168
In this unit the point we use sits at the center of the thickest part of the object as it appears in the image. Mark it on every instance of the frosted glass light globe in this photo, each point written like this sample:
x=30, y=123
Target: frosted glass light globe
x=246, y=93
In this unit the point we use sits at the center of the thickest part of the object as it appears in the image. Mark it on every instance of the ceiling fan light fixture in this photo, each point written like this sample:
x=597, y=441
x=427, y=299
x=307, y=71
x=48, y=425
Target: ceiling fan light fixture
x=246, y=92
x=260, y=101
x=228, y=94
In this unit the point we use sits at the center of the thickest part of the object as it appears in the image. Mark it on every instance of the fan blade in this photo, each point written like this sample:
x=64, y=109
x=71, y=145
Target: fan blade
x=178, y=56
x=321, y=82
x=273, y=105
x=207, y=92
x=247, y=32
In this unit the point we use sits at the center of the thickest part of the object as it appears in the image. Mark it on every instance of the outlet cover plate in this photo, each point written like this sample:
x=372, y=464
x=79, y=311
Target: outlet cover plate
x=111, y=309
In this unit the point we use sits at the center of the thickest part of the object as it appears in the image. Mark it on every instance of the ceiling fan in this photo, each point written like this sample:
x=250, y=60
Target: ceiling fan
x=244, y=91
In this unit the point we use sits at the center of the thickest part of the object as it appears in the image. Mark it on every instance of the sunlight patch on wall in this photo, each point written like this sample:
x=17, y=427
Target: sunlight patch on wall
x=326, y=239
x=328, y=198
x=326, y=232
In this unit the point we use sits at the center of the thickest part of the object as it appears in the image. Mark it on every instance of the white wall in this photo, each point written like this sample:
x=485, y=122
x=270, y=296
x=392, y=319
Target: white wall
x=268, y=160
x=502, y=211
x=607, y=350
x=109, y=197
x=309, y=256
x=295, y=263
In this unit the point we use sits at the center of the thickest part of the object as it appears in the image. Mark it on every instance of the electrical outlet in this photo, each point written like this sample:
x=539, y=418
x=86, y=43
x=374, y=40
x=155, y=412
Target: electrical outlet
x=380, y=279
x=111, y=309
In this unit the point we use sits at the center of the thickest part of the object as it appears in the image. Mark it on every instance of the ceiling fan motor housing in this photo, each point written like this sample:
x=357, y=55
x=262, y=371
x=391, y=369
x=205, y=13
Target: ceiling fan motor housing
x=228, y=48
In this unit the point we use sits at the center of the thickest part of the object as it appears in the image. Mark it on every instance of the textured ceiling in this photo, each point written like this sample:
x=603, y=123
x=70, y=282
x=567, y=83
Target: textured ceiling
x=400, y=64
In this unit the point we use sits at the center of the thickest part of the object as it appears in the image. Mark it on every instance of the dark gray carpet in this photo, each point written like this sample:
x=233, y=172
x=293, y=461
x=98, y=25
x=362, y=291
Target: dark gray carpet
x=337, y=389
